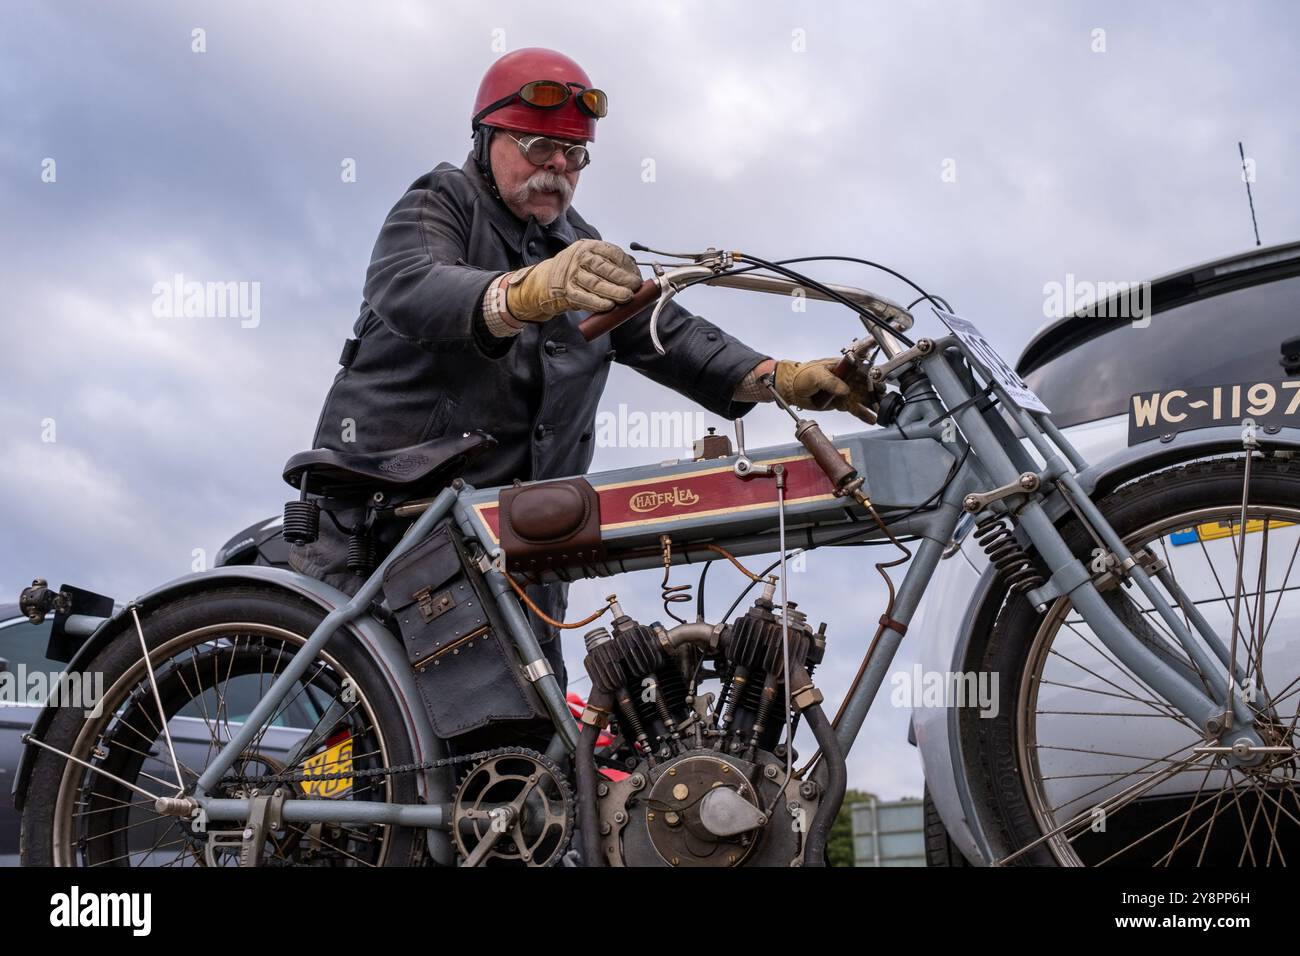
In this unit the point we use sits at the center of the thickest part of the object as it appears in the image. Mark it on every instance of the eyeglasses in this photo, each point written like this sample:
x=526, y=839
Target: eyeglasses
x=538, y=149
x=552, y=94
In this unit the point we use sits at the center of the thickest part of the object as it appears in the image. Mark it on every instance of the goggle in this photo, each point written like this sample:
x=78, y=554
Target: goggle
x=552, y=94
x=538, y=149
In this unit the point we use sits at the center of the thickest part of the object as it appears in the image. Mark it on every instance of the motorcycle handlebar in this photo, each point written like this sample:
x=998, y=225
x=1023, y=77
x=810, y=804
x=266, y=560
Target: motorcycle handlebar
x=597, y=324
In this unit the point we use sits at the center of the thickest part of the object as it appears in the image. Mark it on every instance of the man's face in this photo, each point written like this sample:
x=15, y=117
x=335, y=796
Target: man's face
x=543, y=191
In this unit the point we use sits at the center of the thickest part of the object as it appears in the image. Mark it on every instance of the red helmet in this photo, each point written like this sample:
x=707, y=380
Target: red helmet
x=535, y=90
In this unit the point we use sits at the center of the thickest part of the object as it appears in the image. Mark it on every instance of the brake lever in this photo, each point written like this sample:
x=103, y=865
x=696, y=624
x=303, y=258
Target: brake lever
x=853, y=355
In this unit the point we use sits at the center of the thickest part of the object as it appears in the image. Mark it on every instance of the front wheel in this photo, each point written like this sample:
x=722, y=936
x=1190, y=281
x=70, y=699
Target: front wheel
x=1083, y=763
x=214, y=655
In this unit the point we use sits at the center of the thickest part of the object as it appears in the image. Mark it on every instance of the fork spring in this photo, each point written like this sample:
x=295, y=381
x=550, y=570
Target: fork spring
x=1007, y=556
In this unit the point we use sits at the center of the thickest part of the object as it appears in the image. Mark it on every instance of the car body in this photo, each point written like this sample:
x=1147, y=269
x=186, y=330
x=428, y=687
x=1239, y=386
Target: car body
x=1078, y=367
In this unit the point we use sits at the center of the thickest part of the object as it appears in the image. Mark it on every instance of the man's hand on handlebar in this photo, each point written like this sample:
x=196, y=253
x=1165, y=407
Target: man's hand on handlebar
x=588, y=275
x=798, y=382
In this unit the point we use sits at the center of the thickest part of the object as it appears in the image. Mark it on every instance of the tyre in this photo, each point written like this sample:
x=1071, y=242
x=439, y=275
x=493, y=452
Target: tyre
x=213, y=655
x=1083, y=764
x=939, y=848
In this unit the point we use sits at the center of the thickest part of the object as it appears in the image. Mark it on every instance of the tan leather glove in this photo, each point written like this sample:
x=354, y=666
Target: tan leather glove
x=589, y=274
x=798, y=382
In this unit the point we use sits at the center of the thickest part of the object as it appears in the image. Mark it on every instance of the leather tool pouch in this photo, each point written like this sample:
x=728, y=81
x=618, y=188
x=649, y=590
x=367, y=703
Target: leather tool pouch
x=466, y=667
x=551, y=523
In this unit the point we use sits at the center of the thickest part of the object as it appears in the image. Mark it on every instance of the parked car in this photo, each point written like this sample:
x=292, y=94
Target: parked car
x=1232, y=320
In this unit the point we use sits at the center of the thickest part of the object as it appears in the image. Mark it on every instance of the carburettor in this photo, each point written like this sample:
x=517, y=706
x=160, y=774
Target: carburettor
x=703, y=779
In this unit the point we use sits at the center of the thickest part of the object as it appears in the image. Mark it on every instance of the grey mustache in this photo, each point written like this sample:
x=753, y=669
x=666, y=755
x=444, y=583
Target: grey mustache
x=545, y=181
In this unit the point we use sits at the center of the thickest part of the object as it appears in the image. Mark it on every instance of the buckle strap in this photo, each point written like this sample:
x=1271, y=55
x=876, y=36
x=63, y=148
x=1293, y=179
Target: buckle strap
x=349, y=353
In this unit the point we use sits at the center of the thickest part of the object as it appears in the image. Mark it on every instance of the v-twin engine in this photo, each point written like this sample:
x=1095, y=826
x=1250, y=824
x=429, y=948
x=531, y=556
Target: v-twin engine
x=705, y=779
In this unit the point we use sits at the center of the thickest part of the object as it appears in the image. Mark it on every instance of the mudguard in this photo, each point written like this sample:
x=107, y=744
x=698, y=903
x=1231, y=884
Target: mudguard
x=383, y=647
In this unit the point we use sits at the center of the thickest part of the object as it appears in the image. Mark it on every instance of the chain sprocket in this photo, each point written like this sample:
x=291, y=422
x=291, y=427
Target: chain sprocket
x=483, y=783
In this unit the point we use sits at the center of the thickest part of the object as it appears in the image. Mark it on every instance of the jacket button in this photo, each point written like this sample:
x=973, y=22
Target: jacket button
x=532, y=248
x=712, y=336
x=555, y=348
x=540, y=431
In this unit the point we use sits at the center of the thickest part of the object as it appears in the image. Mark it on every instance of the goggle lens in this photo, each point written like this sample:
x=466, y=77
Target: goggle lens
x=595, y=102
x=540, y=149
x=544, y=94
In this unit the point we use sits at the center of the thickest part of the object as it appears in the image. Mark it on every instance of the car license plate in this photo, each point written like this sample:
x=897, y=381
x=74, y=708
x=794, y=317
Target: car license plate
x=979, y=350
x=1214, y=530
x=336, y=759
x=1174, y=410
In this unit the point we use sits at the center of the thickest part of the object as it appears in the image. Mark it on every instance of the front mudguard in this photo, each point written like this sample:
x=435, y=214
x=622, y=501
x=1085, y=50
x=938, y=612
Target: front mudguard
x=383, y=647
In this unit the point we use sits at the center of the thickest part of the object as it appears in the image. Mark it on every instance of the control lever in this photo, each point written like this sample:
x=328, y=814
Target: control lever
x=852, y=355
x=744, y=466
x=843, y=476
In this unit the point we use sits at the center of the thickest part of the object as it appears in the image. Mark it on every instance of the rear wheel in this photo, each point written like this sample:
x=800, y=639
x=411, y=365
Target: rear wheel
x=214, y=655
x=1083, y=762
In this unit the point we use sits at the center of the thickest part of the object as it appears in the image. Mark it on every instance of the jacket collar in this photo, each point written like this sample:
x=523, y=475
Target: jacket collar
x=514, y=230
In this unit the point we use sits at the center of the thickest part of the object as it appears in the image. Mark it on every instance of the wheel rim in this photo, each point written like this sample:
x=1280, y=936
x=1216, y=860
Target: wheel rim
x=74, y=831
x=1109, y=762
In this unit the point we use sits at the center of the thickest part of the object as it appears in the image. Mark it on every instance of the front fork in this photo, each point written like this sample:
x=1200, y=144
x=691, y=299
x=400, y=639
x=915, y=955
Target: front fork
x=1222, y=715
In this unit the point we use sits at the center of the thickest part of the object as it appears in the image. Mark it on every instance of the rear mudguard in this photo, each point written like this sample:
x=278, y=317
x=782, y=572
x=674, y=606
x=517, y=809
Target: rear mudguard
x=961, y=809
x=381, y=644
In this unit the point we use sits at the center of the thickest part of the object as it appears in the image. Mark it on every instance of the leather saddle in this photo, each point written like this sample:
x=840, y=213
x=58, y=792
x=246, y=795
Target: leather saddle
x=324, y=471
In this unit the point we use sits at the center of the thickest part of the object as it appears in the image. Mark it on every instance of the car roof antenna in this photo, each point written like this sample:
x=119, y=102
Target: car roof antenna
x=1247, y=174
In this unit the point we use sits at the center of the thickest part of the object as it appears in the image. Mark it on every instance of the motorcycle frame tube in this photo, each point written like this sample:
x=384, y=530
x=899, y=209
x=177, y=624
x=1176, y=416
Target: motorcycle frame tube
x=530, y=651
x=1191, y=700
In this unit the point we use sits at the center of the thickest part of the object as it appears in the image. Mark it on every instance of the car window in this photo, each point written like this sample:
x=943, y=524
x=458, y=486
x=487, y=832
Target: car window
x=1225, y=339
x=22, y=645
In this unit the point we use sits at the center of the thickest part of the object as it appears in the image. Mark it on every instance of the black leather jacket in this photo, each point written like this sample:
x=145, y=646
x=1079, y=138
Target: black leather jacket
x=424, y=364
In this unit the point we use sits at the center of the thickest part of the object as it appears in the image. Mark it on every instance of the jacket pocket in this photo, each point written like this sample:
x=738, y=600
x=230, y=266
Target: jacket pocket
x=439, y=418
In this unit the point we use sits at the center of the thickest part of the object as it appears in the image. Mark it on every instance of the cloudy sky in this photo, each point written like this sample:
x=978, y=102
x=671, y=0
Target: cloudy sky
x=984, y=148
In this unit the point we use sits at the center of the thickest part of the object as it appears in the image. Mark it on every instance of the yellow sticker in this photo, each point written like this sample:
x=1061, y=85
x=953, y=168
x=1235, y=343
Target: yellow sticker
x=337, y=759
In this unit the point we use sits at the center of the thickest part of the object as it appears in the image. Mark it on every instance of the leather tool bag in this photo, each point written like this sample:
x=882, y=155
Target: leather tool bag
x=550, y=523
x=466, y=666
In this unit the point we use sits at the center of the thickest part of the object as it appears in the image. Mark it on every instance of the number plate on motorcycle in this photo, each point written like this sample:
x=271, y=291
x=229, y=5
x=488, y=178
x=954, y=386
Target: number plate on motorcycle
x=1173, y=410
x=978, y=350
x=335, y=760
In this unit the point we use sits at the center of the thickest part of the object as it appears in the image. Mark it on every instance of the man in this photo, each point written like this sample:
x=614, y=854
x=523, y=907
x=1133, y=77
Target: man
x=471, y=304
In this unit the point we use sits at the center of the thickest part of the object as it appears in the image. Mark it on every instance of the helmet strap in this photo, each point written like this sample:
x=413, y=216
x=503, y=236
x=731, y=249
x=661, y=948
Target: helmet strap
x=483, y=156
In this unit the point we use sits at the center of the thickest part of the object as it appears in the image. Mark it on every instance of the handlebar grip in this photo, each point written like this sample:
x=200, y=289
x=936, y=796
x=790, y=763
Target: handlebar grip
x=597, y=324
x=819, y=400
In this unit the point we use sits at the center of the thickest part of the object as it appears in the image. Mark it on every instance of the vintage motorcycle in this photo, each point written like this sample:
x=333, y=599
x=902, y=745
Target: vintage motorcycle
x=684, y=752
